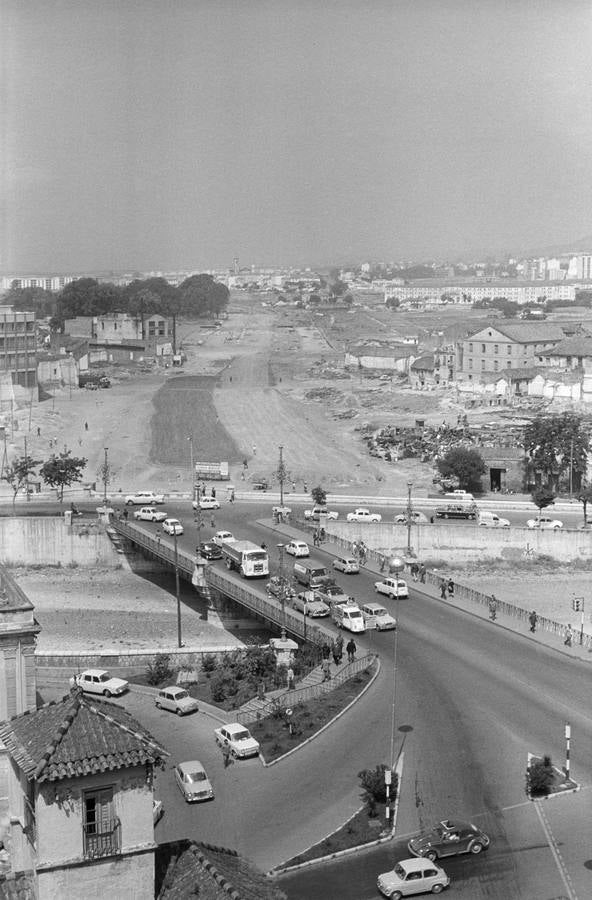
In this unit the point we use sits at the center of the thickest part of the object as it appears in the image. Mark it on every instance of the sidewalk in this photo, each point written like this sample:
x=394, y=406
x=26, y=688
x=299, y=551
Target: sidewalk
x=547, y=636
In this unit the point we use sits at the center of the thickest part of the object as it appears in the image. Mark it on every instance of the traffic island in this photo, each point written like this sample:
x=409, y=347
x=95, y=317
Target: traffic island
x=544, y=780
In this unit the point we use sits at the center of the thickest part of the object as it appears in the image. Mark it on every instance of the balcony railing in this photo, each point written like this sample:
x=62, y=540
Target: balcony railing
x=102, y=843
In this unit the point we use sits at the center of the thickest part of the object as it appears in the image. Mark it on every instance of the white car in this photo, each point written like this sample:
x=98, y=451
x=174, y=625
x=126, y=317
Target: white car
x=172, y=526
x=308, y=603
x=150, y=514
x=298, y=548
x=413, y=876
x=363, y=515
x=282, y=510
x=376, y=616
x=392, y=587
x=144, y=498
x=417, y=518
x=206, y=503
x=544, y=523
x=319, y=511
x=237, y=739
x=459, y=495
x=193, y=782
x=223, y=537
x=98, y=681
x=176, y=699
x=346, y=564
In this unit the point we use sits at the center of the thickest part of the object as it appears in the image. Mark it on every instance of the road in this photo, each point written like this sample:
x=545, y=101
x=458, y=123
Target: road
x=470, y=701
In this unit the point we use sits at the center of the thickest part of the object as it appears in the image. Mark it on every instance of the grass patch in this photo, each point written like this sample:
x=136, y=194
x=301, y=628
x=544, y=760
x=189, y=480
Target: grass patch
x=359, y=830
x=273, y=732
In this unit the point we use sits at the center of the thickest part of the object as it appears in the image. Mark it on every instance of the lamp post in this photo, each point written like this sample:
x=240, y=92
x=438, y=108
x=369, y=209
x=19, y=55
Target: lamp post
x=282, y=586
x=192, y=472
x=409, y=514
x=105, y=475
x=178, y=592
x=396, y=566
x=27, y=473
x=281, y=473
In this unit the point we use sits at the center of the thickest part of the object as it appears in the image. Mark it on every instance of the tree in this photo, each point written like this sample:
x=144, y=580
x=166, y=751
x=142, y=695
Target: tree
x=556, y=449
x=319, y=495
x=585, y=497
x=200, y=295
x=539, y=777
x=18, y=472
x=393, y=303
x=374, y=787
x=62, y=471
x=36, y=299
x=542, y=498
x=464, y=463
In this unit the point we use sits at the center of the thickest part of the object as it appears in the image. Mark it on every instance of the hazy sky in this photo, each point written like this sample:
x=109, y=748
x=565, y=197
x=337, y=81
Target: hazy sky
x=163, y=134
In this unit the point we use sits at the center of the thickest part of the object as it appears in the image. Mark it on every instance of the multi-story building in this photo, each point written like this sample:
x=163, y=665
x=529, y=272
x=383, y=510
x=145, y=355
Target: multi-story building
x=469, y=292
x=18, y=346
x=500, y=346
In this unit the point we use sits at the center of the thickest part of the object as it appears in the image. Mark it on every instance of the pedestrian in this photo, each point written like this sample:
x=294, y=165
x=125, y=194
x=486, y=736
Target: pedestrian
x=493, y=607
x=339, y=647
x=38, y=432
x=335, y=653
x=533, y=619
x=305, y=487
x=315, y=537
x=243, y=475
x=351, y=650
x=290, y=677
x=326, y=670
x=254, y=450
x=322, y=535
x=450, y=587
x=326, y=650
x=382, y=563
x=422, y=573
x=213, y=493
x=213, y=522
x=414, y=571
x=568, y=636
x=363, y=551
x=355, y=549
x=245, y=463
x=443, y=589
x=232, y=495
x=261, y=690
x=125, y=514
x=86, y=426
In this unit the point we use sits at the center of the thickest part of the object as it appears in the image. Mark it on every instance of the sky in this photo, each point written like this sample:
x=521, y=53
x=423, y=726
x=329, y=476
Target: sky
x=178, y=134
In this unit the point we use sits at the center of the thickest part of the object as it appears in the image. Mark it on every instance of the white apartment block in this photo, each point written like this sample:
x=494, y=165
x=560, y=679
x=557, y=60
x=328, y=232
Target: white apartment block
x=518, y=292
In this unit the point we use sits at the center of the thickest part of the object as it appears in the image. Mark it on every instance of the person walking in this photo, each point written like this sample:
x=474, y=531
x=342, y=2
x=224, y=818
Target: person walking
x=326, y=670
x=339, y=647
x=414, y=571
x=355, y=550
x=86, y=426
x=335, y=653
x=568, y=636
x=422, y=573
x=450, y=587
x=290, y=677
x=351, y=650
x=443, y=589
x=533, y=619
x=493, y=607
x=326, y=650
x=213, y=493
x=382, y=565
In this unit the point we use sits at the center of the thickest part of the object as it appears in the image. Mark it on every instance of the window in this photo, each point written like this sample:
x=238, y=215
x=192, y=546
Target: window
x=483, y=364
x=496, y=348
x=470, y=364
x=470, y=348
x=101, y=828
x=483, y=348
x=509, y=349
x=495, y=365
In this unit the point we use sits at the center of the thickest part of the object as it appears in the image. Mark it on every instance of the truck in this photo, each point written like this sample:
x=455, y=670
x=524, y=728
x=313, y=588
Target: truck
x=311, y=575
x=247, y=558
x=212, y=471
x=348, y=616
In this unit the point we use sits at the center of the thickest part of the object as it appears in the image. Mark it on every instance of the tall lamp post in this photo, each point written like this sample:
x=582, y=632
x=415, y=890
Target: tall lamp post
x=281, y=474
x=192, y=472
x=396, y=566
x=178, y=593
x=409, y=515
x=105, y=475
x=282, y=586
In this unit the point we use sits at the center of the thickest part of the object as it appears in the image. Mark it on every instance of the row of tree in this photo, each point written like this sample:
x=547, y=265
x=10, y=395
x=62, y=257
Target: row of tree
x=59, y=471
x=198, y=295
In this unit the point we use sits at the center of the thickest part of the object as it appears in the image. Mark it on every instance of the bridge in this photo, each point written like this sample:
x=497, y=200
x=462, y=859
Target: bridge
x=260, y=604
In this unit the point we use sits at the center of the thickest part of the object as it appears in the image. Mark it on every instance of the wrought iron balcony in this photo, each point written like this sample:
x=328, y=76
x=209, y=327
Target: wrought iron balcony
x=106, y=842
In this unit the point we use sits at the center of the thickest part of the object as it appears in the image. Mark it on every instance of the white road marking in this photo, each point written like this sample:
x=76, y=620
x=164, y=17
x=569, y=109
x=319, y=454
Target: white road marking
x=561, y=867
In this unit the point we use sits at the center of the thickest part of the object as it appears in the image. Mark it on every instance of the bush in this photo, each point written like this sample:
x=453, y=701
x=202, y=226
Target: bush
x=539, y=777
x=209, y=663
x=374, y=788
x=223, y=685
x=160, y=669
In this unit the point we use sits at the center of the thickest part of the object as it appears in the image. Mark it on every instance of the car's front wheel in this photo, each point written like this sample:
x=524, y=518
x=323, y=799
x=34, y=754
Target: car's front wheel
x=157, y=704
x=129, y=502
x=476, y=847
x=437, y=888
x=396, y=895
x=179, y=712
x=106, y=693
x=431, y=855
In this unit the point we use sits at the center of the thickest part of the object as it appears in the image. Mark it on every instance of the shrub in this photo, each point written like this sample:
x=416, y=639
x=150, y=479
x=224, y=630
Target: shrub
x=223, y=685
x=160, y=669
x=539, y=777
x=209, y=663
x=374, y=788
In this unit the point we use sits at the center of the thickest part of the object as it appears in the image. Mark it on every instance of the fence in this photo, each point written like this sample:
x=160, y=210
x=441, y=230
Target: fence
x=301, y=695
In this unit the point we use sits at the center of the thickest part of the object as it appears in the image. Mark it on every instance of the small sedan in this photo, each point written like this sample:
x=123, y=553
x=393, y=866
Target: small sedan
x=150, y=514
x=545, y=523
x=417, y=518
x=412, y=876
x=176, y=699
x=297, y=548
x=206, y=503
x=237, y=739
x=346, y=564
x=449, y=838
x=172, y=526
x=223, y=537
x=209, y=550
x=308, y=603
x=193, y=782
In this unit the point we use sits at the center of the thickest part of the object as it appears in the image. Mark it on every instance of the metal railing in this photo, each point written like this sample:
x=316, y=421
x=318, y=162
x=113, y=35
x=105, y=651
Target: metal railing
x=102, y=843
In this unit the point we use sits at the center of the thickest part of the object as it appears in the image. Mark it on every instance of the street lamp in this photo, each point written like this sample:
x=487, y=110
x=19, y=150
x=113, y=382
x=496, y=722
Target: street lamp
x=192, y=472
x=105, y=475
x=178, y=592
x=282, y=585
x=281, y=473
x=409, y=514
x=396, y=566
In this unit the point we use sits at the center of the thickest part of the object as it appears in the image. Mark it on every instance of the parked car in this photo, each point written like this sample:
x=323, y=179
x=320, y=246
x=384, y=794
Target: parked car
x=332, y=593
x=176, y=699
x=363, y=515
x=193, y=782
x=392, y=587
x=449, y=838
x=172, y=526
x=545, y=523
x=144, y=498
x=223, y=537
x=281, y=510
x=376, y=616
x=346, y=564
x=459, y=495
x=488, y=519
x=412, y=876
x=150, y=514
x=206, y=503
x=298, y=548
x=157, y=811
x=209, y=550
x=309, y=603
x=237, y=739
x=317, y=511
x=417, y=518
x=98, y=681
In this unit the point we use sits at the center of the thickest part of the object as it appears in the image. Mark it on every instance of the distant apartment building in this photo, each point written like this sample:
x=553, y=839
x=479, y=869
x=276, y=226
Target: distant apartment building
x=469, y=292
x=46, y=282
x=498, y=347
x=18, y=346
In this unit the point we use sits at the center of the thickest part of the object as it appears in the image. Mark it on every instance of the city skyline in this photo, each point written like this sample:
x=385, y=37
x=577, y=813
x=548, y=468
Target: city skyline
x=140, y=137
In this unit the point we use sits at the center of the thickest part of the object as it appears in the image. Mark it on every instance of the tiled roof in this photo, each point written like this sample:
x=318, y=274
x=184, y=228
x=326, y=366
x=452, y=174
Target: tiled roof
x=77, y=736
x=397, y=351
x=424, y=363
x=578, y=345
x=530, y=332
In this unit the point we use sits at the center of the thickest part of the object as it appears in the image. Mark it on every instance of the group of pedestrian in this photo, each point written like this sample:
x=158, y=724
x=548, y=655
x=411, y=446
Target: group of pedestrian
x=418, y=572
x=360, y=551
x=446, y=588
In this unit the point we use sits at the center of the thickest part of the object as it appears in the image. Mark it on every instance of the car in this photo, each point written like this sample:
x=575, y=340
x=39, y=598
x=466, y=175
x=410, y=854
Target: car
x=457, y=511
x=281, y=510
x=459, y=495
x=176, y=699
x=223, y=537
x=332, y=593
x=144, y=498
x=363, y=515
x=412, y=876
x=150, y=514
x=309, y=603
x=346, y=564
x=157, y=810
x=298, y=548
x=417, y=518
x=206, y=503
x=237, y=739
x=193, y=782
x=172, y=526
x=488, y=519
x=545, y=523
x=209, y=550
x=98, y=681
x=277, y=584
x=392, y=587
x=449, y=838
x=317, y=511
x=376, y=616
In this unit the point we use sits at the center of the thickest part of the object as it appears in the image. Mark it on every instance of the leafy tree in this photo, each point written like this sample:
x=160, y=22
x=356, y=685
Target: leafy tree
x=151, y=295
x=464, y=463
x=86, y=297
x=348, y=299
x=554, y=445
x=200, y=295
x=374, y=788
x=393, y=303
x=542, y=498
x=62, y=471
x=585, y=497
x=18, y=472
x=319, y=495
x=539, y=777
x=36, y=299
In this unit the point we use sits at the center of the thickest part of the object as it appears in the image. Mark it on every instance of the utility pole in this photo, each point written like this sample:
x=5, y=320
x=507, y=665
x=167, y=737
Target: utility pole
x=409, y=515
x=178, y=593
x=571, y=468
x=190, y=439
x=27, y=474
x=282, y=586
x=105, y=475
x=281, y=474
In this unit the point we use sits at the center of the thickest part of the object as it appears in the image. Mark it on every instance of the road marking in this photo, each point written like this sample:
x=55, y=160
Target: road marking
x=561, y=867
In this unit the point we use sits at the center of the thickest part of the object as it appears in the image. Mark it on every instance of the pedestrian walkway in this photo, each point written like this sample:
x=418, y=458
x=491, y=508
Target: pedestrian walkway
x=260, y=705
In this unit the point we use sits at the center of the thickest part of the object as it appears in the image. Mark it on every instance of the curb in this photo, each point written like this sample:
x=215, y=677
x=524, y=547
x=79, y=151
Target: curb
x=349, y=850
x=330, y=722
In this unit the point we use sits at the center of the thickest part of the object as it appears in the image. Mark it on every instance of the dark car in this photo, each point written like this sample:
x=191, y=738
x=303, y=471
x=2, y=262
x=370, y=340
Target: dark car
x=449, y=838
x=209, y=550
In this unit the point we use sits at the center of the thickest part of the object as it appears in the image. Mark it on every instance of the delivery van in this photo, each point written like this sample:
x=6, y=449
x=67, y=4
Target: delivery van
x=488, y=519
x=311, y=574
x=348, y=616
